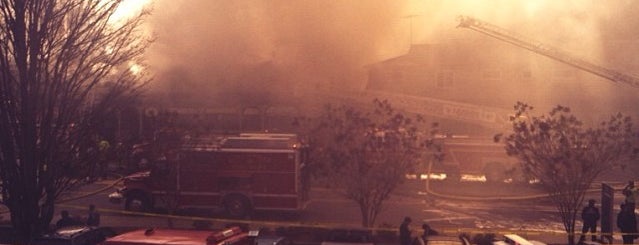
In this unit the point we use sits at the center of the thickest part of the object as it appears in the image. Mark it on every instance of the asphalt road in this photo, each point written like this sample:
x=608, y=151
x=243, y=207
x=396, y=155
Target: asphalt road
x=533, y=218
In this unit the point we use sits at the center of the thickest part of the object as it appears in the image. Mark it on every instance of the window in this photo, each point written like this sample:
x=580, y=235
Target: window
x=445, y=79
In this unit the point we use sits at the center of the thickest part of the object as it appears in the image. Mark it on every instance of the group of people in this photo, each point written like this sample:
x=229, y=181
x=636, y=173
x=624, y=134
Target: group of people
x=93, y=218
x=405, y=237
x=626, y=218
x=626, y=221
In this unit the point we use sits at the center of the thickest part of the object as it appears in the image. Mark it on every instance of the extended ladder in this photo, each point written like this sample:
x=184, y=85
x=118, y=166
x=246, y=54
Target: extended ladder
x=545, y=50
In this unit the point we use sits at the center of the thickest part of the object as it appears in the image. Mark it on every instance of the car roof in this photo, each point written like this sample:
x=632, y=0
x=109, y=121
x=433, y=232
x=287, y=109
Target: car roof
x=229, y=236
x=160, y=236
x=66, y=235
x=445, y=240
x=72, y=231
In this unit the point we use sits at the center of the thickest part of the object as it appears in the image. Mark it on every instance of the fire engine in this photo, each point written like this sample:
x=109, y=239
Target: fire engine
x=241, y=173
x=489, y=158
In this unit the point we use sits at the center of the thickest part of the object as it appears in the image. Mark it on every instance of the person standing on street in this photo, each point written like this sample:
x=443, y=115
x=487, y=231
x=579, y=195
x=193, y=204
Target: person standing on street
x=65, y=220
x=590, y=217
x=630, y=192
x=627, y=223
x=404, y=232
x=93, y=217
x=427, y=232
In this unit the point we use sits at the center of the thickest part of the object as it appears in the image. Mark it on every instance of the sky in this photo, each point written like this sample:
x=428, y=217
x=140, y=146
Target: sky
x=234, y=48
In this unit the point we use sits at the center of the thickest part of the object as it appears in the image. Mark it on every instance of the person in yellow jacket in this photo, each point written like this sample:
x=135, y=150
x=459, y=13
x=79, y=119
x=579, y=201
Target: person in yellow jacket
x=104, y=147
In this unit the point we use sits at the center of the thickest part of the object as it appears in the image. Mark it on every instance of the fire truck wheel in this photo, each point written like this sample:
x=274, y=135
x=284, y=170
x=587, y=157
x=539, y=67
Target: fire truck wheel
x=237, y=206
x=137, y=203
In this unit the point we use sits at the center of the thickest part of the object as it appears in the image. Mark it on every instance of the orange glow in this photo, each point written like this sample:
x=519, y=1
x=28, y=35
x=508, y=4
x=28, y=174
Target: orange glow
x=128, y=9
x=532, y=7
x=135, y=69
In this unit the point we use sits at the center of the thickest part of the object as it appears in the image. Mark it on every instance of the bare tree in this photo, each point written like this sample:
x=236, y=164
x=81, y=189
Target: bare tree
x=565, y=156
x=64, y=68
x=366, y=154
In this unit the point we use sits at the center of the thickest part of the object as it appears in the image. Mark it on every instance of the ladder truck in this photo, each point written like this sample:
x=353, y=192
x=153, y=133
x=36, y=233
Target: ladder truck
x=545, y=50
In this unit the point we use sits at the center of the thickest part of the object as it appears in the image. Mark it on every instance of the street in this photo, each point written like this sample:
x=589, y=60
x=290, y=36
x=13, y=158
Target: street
x=532, y=218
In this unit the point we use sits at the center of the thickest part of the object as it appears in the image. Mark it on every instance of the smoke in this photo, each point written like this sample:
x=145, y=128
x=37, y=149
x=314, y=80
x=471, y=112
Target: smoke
x=259, y=51
x=224, y=47
x=602, y=33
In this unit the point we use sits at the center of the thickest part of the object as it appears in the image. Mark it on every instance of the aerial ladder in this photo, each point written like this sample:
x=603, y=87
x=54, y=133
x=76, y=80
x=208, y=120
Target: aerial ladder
x=545, y=50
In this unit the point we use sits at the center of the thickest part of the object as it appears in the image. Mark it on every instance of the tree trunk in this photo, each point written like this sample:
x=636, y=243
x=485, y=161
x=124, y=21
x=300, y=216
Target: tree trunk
x=571, y=239
x=365, y=219
x=25, y=221
x=571, y=226
x=29, y=217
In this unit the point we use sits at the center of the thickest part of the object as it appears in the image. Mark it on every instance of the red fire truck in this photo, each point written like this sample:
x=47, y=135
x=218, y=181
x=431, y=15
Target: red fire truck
x=242, y=173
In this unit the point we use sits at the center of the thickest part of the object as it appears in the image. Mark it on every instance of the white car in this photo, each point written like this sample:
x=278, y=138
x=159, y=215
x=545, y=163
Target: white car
x=445, y=240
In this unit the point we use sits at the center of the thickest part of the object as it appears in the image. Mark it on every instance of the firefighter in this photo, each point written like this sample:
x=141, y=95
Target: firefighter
x=93, y=216
x=590, y=217
x=104, y=147
x=65, y=220
x=404, y=232
x=631, y=192
x=627, y=223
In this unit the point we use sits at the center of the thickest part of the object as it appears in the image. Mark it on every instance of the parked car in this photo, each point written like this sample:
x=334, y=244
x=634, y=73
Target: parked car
x=230, y=236
x=446, y=240
x=514, y=239
x=76, y=235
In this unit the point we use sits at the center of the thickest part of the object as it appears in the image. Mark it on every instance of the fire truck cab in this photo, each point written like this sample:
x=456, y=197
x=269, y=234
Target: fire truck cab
x=239, y=173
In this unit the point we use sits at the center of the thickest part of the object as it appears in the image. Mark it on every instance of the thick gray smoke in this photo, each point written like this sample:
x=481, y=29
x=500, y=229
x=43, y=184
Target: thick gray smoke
x=260, y=51
x=603, y=33
x=257, y=48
